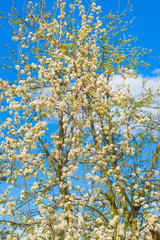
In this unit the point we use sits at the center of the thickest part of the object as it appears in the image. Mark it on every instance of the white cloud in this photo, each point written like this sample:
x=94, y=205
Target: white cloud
x=135, y=84
x=156, y=71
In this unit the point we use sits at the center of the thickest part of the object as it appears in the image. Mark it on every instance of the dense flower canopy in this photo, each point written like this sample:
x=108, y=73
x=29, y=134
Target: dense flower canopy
x=80, y=152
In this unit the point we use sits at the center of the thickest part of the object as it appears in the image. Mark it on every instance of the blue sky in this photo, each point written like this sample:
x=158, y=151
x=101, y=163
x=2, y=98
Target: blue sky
x=146, y=25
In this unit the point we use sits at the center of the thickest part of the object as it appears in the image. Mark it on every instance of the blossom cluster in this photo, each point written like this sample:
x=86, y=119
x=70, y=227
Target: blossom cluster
x=79, y=152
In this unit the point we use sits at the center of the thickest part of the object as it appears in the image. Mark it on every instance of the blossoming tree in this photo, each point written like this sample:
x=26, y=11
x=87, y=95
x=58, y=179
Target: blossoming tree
x=80, y=153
